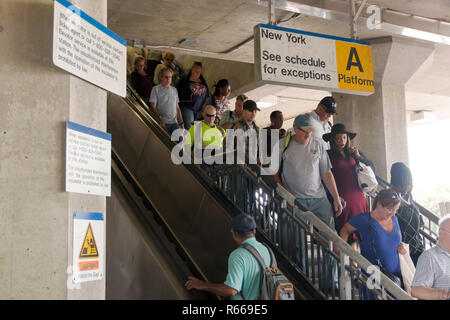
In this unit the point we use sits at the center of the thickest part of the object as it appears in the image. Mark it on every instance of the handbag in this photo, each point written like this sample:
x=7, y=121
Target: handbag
x=366, y=178
x=408, y=269
x=397, y=280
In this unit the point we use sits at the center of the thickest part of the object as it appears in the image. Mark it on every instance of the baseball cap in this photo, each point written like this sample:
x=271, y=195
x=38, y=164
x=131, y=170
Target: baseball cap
x=303, y=122
x=329, y=104
x=250, y=105
x=243, y=224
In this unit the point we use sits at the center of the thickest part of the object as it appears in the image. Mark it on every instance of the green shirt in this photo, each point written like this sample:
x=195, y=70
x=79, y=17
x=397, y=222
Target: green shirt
x=244, y=272
x=210, y=136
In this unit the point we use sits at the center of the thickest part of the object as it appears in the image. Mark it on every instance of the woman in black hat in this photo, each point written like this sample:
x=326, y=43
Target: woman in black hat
x=342, y=157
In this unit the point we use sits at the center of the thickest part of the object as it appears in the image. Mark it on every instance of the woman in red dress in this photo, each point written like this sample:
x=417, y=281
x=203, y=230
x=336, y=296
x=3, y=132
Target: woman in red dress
x=342, y=157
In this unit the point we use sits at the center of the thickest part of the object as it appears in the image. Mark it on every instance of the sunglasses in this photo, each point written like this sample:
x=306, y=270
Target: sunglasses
x=210, y=115
x=168, y=59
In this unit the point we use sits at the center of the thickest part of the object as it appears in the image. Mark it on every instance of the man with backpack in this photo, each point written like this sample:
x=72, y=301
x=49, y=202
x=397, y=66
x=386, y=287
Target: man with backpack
x=246, y=279
x=304, y=164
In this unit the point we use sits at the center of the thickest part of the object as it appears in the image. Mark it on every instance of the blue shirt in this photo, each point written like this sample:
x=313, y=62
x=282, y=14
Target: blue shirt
x=386, y=243
x=244, y=272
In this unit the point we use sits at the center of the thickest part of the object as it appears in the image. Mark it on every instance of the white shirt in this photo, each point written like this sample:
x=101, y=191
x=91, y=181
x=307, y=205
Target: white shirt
x=320, y=128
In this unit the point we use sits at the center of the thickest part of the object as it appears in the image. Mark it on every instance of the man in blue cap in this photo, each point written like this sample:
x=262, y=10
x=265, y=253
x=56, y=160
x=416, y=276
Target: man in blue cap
x=244, y=272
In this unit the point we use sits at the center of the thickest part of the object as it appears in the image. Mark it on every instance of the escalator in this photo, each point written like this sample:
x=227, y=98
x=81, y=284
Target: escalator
x=143, y=260
x=192, y=232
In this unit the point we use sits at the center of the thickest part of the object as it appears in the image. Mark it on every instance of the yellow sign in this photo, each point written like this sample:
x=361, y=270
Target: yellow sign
x=354, y=66
x=89, y=247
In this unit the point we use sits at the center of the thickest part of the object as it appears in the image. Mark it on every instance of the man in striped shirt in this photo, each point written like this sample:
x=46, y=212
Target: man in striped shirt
x=432, y=278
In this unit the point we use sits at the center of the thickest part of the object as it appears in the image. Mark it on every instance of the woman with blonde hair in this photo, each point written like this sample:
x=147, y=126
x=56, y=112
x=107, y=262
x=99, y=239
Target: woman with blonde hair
x=192, y=91
x=168, y=61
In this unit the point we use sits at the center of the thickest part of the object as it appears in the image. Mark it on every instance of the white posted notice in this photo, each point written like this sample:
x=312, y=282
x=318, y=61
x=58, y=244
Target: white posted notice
x=87, y=49
x=88, y=244
x=88, y=160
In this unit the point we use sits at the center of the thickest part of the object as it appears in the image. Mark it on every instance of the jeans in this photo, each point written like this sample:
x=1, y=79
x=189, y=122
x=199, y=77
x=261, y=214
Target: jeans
x=188, y=117
x=321, y=207
x=171, y=127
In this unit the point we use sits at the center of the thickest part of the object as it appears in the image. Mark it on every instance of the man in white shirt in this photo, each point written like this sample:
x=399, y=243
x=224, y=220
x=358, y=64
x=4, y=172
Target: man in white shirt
x=432, y=278
x=320, y=118
x=164, y=103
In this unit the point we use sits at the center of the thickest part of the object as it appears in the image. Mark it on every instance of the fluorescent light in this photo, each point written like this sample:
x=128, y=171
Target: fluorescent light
x=422, y=116
x=264, y=104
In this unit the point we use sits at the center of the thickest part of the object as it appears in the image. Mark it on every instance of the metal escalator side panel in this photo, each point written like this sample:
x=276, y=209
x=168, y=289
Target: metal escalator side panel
x=197, y=219
x=141, y=262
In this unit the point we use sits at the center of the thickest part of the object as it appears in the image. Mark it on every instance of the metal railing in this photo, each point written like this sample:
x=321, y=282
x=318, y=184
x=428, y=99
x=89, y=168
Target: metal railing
x=303, y=238
x=307, y=243
x=429, y=229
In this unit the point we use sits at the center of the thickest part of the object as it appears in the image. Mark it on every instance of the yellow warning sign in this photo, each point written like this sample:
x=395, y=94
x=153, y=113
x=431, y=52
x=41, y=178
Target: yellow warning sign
x=89, y=247
x=354, y=66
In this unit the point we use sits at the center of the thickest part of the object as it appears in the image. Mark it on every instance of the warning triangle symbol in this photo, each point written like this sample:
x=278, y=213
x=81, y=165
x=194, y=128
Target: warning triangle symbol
x=89, y=247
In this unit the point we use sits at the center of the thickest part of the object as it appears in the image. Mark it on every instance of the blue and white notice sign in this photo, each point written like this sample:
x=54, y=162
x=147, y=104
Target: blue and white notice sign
x=88, y=160
x=88, y=49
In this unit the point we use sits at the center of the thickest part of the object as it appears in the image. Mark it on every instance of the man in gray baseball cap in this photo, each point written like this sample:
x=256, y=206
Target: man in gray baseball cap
x=304, y=164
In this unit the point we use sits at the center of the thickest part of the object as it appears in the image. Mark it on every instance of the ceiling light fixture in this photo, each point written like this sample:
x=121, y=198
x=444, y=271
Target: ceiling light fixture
x=422, y=116
x=187, y=42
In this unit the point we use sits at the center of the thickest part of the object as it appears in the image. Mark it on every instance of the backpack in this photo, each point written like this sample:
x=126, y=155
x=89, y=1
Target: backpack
x=286, y=145
x=274, y=284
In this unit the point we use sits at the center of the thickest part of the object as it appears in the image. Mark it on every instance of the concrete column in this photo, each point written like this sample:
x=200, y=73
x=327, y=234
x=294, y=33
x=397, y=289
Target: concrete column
x=37, y=99
x=380, y=119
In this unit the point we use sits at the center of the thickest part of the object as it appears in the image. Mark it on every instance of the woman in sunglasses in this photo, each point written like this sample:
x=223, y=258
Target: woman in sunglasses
x=168, y=61
x=379, y=233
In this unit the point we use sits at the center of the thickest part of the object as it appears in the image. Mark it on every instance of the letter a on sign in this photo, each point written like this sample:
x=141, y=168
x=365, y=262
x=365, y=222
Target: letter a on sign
x=89, y=247
x=350, y=63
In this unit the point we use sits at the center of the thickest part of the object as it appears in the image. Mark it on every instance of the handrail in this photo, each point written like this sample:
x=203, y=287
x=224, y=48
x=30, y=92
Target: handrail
x=427, y=232
x=424, y=211
x=276, y=217
x=344, y=247
x=303, y=289
x=325, y=237
x=124, y=177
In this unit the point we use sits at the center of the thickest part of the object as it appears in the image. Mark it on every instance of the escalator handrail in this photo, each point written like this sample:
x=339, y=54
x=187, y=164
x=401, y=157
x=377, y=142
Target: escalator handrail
x=121, y=168
x=424, y=211
x=312, y=219
x=142, y=111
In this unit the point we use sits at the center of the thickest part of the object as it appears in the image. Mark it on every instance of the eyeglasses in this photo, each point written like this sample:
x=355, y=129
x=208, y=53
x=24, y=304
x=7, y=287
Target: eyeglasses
x=168, y=59
x=396, y=195
x=210, y=115
x=302, y=130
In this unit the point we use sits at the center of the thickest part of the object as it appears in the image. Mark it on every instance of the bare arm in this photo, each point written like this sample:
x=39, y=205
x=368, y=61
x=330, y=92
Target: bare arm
x=328, y=179
x=276, y=177
x=219, y=289
x=179, y=117
x=153, y=106
x=346, y=231
x=425, y=293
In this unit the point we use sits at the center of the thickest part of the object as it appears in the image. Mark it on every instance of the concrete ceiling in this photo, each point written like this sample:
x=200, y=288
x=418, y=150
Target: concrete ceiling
x=217, y=26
